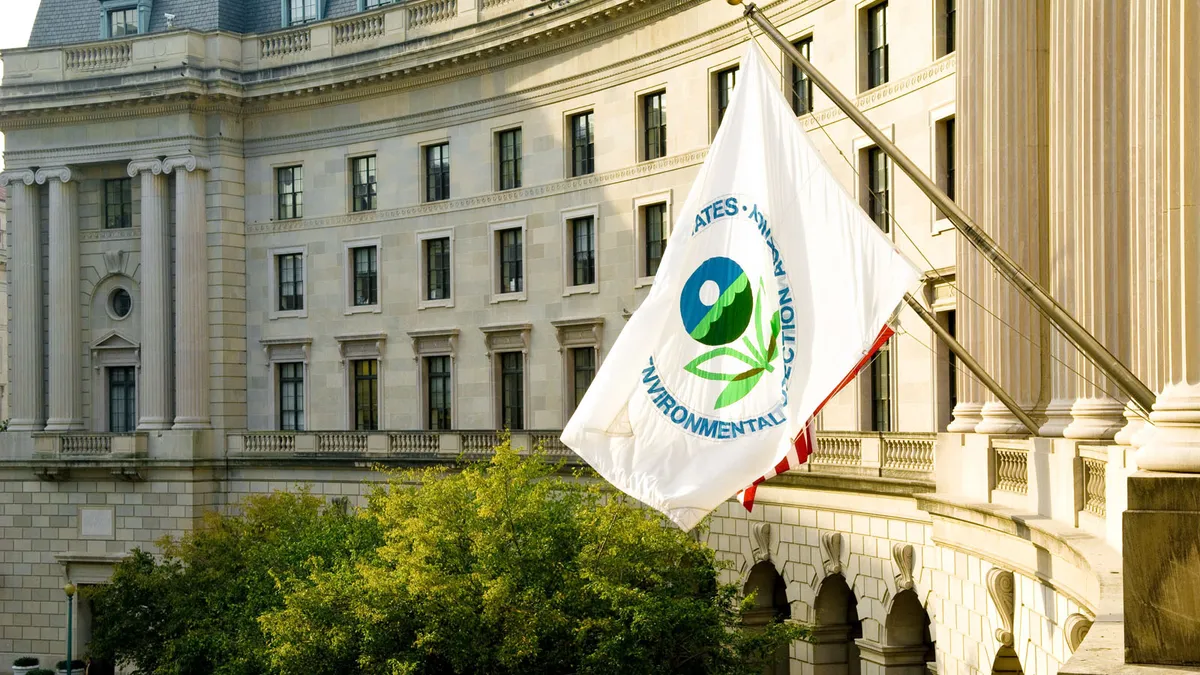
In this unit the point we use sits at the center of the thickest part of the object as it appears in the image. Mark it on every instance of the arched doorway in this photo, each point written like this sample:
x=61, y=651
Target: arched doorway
x=770, y=604
x=1006, y=662
x=836, y=626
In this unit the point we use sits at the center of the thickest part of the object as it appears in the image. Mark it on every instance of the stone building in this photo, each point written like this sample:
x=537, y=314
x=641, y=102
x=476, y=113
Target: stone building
x=262, y=244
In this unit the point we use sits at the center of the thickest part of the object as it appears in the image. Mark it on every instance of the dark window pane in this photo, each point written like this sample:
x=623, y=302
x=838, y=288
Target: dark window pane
x=437, y=268
x=877, y=47
x=877, y=188
x=437, y=172
x=583, y=148
x=366, y=276
x=511, y=261
x=289, y=186
x=510, y=159
x=952, y=360
x=122, y=399
x=366, y=395
x=802, y=87
x=654, y=121
x=118, y=203
x=291, y=397
x=949, y=141
x=656, y=236
x=881, y=389
x=950, y=18
x=512, y=390
x=362, y=170
x=122, y=22
x=290, y=271
x=583, y=363
x=437, y=373
x=302, y=11
x=726, y=80
x=583, y=250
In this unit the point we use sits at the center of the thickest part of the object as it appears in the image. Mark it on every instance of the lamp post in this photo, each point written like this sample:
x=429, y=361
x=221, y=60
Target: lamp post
x=69, y=589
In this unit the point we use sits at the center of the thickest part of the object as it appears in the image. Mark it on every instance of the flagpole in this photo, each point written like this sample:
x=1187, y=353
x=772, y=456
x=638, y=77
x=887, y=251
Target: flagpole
x=1079, y=336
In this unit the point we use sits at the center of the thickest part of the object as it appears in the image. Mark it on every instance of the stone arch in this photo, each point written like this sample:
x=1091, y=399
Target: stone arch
x=907, y=642
x=836, y=628
x=770, y=604
x=1007, y=662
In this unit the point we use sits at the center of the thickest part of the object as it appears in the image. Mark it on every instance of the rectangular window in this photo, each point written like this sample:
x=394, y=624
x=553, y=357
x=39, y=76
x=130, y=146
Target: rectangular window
x=948, y=143
x=948, y=22
x=122, y=400
x=366, y=276
x=289, y=181
x=302, y=11
x=122, y=22
x=583, y=250
x=372, y=4
x=366, y=395
x=655, y=217
x=512, y=390
x=118, y=203
x=654, y=123
x=511, y=272
x=583, y=147
x=881, y=389
x=291, y=396
x=952, y=365
x=802, y=87
x=877, y=47
x=726, y=81
x=877, y=188
x=583, y=366
x=509, y=144
x=437, y=268
x=290, y=274
x=363, y=171
x=437, y=381
x=437, y=172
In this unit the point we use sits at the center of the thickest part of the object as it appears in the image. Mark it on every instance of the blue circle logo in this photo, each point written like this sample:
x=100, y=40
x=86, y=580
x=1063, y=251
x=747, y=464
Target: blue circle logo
x=716, y=302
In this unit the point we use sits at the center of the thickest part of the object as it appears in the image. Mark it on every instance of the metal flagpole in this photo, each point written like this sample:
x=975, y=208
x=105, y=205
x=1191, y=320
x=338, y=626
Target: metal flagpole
x=971, y=364
x=1079, y=336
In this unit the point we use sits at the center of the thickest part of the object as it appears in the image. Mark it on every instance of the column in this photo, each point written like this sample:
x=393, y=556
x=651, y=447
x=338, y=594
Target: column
x=968, y=412
x=26, y=390
x=154, y=404
x=66, y=396
x=191, y=292
x=1009, y=103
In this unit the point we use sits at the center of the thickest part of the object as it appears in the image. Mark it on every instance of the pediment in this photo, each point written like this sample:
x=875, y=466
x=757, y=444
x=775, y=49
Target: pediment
x=114, y=340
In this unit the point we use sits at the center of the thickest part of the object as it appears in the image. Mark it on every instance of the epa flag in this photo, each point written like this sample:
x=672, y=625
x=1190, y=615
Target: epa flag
x=773, y=289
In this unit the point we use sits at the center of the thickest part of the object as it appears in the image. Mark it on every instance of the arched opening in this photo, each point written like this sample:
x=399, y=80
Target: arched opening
x=1006, y=662
x=835, y=630
x=907, y=638
x=770, y=604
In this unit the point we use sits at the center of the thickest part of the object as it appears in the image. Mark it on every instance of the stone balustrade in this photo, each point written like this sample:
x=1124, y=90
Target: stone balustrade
x=99, y=56
x=285, y=44
x=83, y=445
x=358, y=29
x=1012, y=469
x=1095, y=485
x=430, y=12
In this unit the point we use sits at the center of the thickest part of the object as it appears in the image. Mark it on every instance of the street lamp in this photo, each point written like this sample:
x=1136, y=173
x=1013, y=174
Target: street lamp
x=69, y=589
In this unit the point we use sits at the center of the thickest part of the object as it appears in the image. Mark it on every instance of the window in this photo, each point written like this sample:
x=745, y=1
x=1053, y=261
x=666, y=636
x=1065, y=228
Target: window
x=948, y=18
x=437, y=172
x=655, y=218
x=291, y=396
x=119, y=303
x=290, y=276
x=437, y=382
x=654, y=125
x=881, y=389
x=118, y=203
x=583, y=250
x=509, y=145
x=726, y=80
x=362, y=169
x=437, y=268
x=802, y=87
x=289, y=182
x=948, y=156
x=372, y=4
x=366, y=275
x=877, y=47
x=366, y=395
x=583, y=370
x=122, y=22
x=952, y=362
x=583, y=147
x=122, y=400
x=877, y=187
x=511, y=274
x=512, y=390
x=302, y=11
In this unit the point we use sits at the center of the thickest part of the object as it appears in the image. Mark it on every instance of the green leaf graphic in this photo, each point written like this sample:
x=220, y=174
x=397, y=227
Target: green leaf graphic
x=693, y=366
x=737, y=389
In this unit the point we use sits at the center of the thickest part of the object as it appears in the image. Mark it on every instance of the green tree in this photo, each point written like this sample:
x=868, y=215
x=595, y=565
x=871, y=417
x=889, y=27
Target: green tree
x=196, y=610
x=508, y=567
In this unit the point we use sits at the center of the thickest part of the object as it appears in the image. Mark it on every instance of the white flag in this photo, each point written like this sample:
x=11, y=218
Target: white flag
x=774, y=285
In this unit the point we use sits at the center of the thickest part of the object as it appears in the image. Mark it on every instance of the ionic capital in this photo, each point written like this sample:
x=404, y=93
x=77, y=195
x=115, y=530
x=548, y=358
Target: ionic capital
x=137, y=166
x=62, y=173
x=17, y=175
x=186, y=162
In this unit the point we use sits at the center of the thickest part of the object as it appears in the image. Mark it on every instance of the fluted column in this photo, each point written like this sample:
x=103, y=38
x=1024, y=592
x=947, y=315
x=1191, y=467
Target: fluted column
x=26, y=402
x=66, y=396
x=156, y=390
x=968, y=411
x=1010, y=104
x=191, y=292
x=1174, y=444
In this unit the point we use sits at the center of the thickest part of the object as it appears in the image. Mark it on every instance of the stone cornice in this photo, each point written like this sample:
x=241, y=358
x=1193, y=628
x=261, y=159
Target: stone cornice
x=62, y=173
x=938, y=70
x=17, y=175
x=489, y=199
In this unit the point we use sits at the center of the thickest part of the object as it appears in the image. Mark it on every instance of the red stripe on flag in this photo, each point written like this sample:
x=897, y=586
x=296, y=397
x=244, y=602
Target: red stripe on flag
x=806, y=442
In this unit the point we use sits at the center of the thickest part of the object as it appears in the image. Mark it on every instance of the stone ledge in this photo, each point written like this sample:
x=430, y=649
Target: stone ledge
x=894, y=487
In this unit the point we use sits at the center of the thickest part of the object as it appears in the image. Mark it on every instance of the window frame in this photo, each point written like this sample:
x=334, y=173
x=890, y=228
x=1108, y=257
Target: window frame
x=502, y=376
x=423, y=239
x=939, y=223
x=572, y=334
x=430, y=344
x=866, y=14
x=803, y=44
x=642, y=277
x=945, y=28
x=273, y=257
x=289, y=18
x=355, y=380
x=286, y=350
x=361, y=347
x=589, y=160
x=649, y=151
x=720, y=94
x=370, y=188
x=131, y=389
x=302, y=413
x=882, y=368
x=519, y=147
x=569, y=216
x=494, y=253
x=296, y=205
x=428, y=398
x=125, y=206
x=349, y=275
x=505, y=339
x=426, y=174
x=862, y=145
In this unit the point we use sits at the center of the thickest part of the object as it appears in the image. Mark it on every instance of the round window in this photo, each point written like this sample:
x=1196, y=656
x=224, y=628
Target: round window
x=120, y=303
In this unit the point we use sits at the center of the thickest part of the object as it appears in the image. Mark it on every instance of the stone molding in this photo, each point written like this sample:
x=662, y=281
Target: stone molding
x=25, y=176
x=360, y=346
x=571, y=333
x=434, y=342
x=62, y=173
x=904, y=557
x=186, y=162
x=279, y=349
x=115, y=234
x=1001, y=587
x=760, y=541
x=506, y=338
x=831, y=552
x=154, y=166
